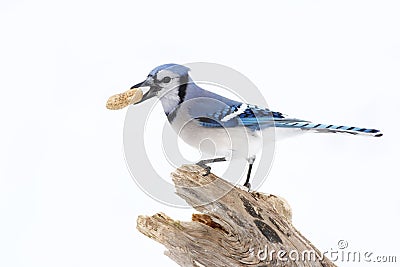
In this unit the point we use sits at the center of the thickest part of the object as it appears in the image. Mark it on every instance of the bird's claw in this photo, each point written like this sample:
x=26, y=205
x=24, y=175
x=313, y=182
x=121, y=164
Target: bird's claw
x=206, y=168
x=248, y=186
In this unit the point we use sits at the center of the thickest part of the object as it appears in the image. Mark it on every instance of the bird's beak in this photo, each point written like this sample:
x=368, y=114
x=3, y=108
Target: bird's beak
x=149, y=82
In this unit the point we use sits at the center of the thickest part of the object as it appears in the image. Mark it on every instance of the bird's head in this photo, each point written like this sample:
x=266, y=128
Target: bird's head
x=165, y=80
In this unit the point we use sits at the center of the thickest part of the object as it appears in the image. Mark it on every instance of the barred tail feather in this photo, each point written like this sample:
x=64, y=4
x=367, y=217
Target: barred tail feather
x=325, y=128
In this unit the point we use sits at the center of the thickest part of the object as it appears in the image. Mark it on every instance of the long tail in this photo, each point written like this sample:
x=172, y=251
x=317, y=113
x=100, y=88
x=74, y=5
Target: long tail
x=324, y=128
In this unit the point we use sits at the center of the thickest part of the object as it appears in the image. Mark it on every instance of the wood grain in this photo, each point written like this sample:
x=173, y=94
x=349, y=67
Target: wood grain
x=233, y=230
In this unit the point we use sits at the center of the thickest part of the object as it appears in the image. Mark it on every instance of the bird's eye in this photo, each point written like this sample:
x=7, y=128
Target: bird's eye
x=166, y=79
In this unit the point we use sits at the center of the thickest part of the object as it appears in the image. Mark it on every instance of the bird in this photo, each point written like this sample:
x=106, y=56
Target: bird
x=235, y=128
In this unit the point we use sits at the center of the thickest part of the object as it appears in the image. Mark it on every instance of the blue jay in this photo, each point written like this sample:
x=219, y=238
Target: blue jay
x=234, y=127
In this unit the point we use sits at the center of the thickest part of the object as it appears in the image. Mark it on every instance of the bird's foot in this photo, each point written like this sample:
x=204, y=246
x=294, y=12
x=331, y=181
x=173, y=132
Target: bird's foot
x=248, y=186
x=203, y=163
x=206, y=168
x=245, y=187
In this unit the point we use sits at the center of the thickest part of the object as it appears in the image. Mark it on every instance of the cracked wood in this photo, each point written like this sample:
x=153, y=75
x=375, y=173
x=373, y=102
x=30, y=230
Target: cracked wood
x=233, y=228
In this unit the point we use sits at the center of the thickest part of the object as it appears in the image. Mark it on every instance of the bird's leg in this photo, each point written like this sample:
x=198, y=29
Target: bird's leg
x=203, y=163
x=247, y=183
x=251, y=162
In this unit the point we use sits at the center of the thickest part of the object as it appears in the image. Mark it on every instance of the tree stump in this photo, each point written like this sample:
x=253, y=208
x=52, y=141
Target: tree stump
x=238, y=229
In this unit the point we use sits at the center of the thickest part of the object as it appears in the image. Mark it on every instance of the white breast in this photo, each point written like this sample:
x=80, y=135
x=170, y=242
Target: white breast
x=170, y=101
x=236, y=142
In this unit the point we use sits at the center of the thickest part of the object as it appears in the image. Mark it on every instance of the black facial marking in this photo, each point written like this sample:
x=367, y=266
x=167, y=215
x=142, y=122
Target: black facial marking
x=181, y=93
x=171, y=116
x=182, y=88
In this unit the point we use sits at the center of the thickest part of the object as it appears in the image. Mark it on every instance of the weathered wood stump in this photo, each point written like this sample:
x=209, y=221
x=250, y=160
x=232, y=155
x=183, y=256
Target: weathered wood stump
x=238, y=229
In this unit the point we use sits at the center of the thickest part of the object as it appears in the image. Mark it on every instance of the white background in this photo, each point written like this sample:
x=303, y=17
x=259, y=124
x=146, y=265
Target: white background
x=66, y=196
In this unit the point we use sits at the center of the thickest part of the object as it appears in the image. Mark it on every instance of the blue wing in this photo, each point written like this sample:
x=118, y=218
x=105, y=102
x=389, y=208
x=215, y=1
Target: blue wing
x=253, y=117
